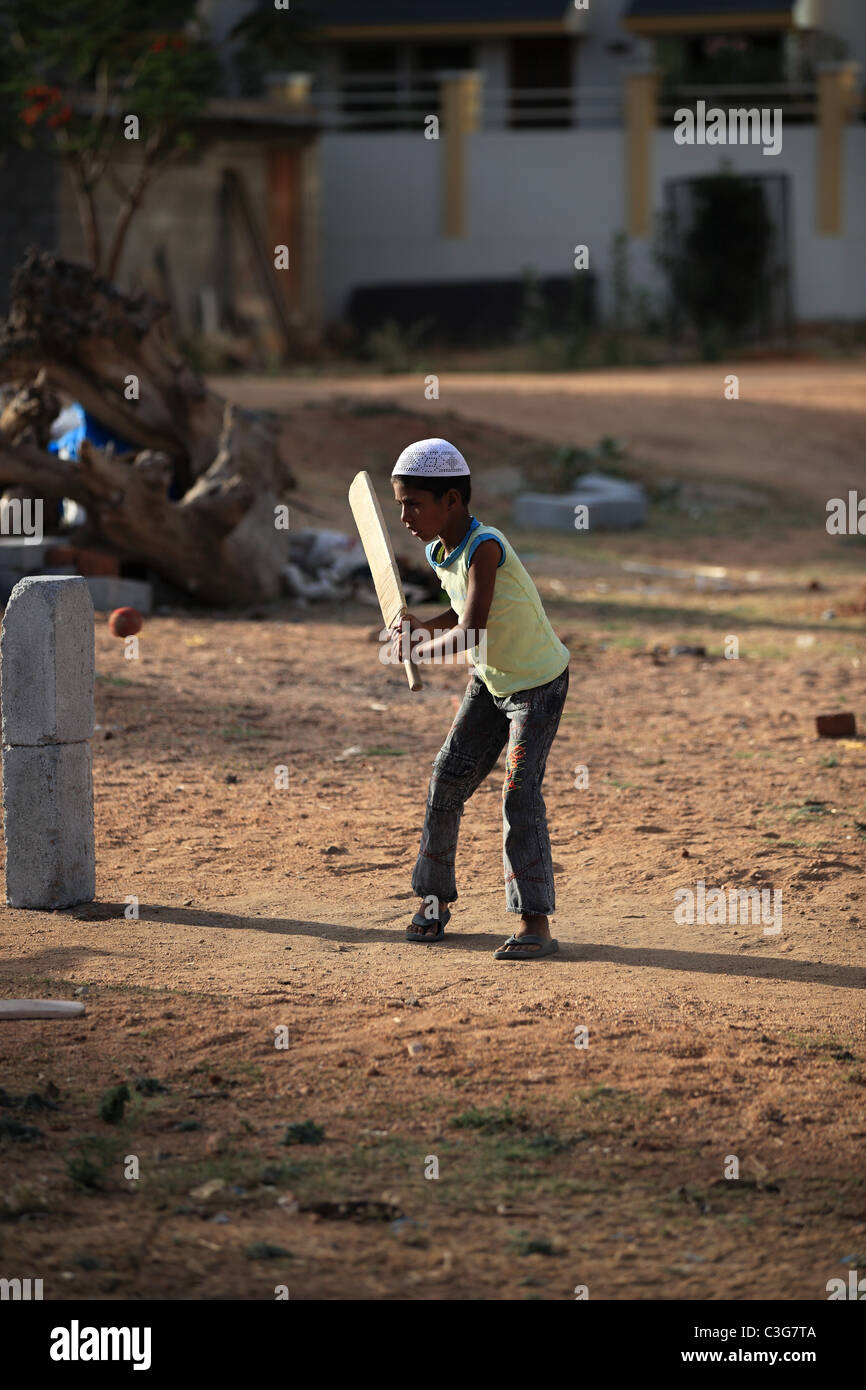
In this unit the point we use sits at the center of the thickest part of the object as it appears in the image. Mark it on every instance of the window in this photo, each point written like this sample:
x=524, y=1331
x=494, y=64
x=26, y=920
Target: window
x=439, y=57
x=541, y=82
x=370, y=83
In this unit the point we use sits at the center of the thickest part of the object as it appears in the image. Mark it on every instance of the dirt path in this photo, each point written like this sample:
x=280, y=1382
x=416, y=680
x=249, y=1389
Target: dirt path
x=800, y=426
x=558, y=1165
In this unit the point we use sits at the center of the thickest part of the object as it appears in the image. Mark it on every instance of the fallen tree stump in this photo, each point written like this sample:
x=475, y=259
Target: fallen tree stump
x=71, y=331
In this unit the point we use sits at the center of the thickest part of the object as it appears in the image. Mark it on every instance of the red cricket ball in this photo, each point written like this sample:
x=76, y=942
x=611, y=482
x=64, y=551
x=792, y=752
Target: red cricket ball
x=124, y=622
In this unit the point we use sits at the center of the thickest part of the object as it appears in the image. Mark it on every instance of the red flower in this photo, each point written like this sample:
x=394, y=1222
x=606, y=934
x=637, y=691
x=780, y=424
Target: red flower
x=31, y=115
x=41, y=93
x=179, y=44
x=60, y=117
x=158, y=45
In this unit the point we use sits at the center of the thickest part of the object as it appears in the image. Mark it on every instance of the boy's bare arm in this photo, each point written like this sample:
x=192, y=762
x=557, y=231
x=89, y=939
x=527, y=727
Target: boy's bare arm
x=442, y=620
x=482, y=581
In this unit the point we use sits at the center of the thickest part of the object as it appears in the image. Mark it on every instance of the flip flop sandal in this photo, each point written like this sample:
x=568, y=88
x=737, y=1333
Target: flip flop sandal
x=548, y=948
x=419, y=920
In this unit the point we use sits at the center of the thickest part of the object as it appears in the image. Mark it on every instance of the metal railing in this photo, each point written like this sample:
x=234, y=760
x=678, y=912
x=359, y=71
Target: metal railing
x=383, y=102
x=796, y=100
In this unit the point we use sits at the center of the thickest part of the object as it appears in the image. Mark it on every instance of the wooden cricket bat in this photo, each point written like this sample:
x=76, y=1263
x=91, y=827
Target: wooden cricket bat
x=40, y=1008
x=380, y=557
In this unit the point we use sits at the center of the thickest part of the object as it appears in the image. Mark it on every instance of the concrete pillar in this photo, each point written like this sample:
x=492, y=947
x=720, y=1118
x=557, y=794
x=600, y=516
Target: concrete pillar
x=837, y=95
x=461, y=99
x=641, y=118
x=46, y=693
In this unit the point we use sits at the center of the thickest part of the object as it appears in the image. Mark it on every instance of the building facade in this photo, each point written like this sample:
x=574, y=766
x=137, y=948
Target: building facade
x=437, y=145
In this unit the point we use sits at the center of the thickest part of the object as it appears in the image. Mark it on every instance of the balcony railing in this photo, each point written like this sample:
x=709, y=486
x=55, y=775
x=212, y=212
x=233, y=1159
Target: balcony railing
x=796, y=101
x=385, y=102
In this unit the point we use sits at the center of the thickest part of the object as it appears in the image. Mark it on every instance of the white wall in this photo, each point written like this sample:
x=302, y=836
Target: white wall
x=533, y=195
x=846, y=19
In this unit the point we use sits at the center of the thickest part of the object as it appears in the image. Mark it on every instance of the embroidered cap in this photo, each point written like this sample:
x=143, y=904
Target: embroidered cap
x=430, y=458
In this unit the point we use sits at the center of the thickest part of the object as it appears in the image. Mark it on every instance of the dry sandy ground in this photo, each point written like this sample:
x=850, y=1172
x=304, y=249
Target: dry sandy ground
x=606, y=1165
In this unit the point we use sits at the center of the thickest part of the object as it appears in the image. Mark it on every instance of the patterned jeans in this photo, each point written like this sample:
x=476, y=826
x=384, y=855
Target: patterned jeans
x=527, y=722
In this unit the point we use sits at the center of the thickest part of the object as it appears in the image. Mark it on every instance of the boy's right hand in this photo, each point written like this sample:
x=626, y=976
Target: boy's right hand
x=399, y=649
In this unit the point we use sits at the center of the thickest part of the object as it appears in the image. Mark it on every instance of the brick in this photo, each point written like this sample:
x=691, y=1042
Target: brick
x=87, y=562
x=840, y=725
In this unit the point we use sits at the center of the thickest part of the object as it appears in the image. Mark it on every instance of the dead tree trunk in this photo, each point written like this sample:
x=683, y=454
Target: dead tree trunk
x=111, y=353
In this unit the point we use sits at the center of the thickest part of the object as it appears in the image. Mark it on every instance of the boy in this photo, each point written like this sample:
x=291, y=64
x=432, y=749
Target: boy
x=514, y=698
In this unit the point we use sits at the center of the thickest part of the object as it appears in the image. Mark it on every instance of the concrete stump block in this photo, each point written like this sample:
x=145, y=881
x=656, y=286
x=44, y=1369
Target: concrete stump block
x=109, y=592
x=46, y=661
x=612, y=504
x=46, y=692
x=25, y=556
x=48, y=818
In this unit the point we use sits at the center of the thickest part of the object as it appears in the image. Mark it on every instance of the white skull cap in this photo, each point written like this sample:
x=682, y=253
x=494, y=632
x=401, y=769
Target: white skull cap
x=430, y=458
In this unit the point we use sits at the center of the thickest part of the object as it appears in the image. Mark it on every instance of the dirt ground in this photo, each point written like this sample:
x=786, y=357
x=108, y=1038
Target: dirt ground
x=310, y=1165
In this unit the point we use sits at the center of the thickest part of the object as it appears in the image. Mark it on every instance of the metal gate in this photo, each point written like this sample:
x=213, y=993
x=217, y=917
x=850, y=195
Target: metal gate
x=727, y=255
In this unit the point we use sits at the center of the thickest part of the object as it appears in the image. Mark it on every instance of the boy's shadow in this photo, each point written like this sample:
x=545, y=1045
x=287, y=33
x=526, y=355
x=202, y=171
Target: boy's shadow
x=690, y=962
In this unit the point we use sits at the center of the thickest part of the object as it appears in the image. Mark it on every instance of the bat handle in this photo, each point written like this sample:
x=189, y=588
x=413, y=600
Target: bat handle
x=412, y=675
x=409, y=666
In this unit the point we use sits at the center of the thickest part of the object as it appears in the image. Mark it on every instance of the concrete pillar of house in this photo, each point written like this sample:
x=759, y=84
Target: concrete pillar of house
x=837, y=95
x=460, y=105
x=641, y=118
x=46, y=694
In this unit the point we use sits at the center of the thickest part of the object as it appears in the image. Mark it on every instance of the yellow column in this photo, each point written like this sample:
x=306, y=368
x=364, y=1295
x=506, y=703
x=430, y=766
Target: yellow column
x=641, y=106
x=837, y=94
x=460, y=107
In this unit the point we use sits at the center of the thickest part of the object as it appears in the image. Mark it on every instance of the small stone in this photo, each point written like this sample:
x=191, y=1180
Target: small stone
x=207, y=1189
x=231, y=778
x=261, y=1250
x=415, y=1048
x=150, y=1086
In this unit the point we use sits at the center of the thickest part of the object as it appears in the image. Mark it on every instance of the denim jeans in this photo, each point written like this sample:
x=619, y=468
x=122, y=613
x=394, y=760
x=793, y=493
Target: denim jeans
x=526, y=722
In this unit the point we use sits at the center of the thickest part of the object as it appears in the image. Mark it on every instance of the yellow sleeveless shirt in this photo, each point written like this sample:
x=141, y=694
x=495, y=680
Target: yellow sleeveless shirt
x=523, y=650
